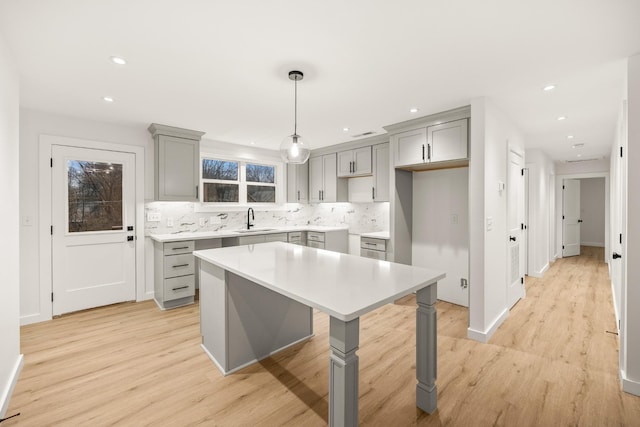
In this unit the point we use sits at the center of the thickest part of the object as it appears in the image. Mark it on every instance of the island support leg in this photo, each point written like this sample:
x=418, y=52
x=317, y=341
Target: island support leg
x=426, y=349
x=343, y=372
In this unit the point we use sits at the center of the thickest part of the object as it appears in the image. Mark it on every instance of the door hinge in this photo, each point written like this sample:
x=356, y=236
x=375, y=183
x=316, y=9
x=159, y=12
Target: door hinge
x=522, y=280
x=563, y=187
x=522, y=172
x=562, y=216
x=618, y=324
x=620, y=151
x=562, y=246
x=52, y=230
x=620, y=238
x=521, y=226
x=51, y=296
x=51, y=161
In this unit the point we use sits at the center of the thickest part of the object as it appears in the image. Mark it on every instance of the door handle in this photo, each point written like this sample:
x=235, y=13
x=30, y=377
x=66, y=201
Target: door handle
x=579, y=220
x=616, y=255
x=129, y=238
x=422, y=152
x=513, y=239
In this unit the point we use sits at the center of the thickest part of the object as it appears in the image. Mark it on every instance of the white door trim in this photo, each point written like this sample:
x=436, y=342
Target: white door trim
x=44, y=214
x=559, y=180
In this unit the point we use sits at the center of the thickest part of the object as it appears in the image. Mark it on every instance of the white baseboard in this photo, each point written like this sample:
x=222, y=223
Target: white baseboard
x=596, y=244
x=485, y=336
x=149, y=295
x=540, y=273
x=8, y=388
x=629, y=386
x=33, y=318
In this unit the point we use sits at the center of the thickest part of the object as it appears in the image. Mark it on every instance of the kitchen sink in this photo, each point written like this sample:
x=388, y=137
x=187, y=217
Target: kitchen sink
x=254, y=230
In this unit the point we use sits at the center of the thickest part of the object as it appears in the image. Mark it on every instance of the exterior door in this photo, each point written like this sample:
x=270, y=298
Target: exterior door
x=571, y=217
x=93, y=214
x=515, y=226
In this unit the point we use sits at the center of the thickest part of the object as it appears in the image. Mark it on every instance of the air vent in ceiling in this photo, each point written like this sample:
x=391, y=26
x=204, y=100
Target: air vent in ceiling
x=364, y=134
x=581, y=160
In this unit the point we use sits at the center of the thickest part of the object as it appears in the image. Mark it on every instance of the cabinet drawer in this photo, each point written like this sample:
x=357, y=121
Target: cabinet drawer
x=178, y=265
x=373, y=254
x=179, y=287
x=314, y=236
x=295, y=236
x=276, y=237
x=373, y=244
x=314, y=244
x=175, y=248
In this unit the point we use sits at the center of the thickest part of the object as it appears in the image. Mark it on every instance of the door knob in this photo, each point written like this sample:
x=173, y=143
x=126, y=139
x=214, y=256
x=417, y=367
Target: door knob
x=616, y=255
x=129, y=238
x=579, y=220
x=513, y=239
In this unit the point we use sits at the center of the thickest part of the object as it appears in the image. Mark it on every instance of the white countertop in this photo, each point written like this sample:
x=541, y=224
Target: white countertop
x=198, y=235
x=344, y=286
x=377, y=235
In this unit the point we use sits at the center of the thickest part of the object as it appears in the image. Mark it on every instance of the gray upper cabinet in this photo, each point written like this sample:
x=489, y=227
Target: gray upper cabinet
x=380, y=191
x=177, y=163
x=355, y=162
x=443, y=142
x=448, y=141
x=324, y=185
x=298, y=183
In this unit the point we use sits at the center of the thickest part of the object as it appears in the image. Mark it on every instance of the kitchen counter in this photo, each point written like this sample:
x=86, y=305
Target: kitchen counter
x=377, y=235
x=199, y=235
x=256, y=300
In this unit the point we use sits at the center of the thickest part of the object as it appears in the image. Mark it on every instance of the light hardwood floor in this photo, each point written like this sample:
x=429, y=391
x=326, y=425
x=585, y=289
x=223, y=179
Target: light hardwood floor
x=552, y=363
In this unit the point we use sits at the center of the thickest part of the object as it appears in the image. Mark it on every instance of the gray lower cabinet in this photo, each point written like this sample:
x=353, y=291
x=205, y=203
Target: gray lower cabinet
x=297, y=237
x=373, y=248
x=253, y=239
x=174, y=275
x=337, y=241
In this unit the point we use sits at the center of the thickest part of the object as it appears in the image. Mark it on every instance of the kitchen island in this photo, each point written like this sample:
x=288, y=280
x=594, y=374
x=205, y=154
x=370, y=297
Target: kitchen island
x=256, y=300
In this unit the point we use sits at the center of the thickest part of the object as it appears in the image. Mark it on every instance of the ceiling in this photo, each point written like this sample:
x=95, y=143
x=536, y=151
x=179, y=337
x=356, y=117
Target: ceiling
x=221, y=66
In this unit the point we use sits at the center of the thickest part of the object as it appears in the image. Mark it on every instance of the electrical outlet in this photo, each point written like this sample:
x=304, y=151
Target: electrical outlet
x=454, y=218
x=153, y=216
x=169, y=222
x=201, y=222
x=489, y=223
x=27, y=221
x=215, y=220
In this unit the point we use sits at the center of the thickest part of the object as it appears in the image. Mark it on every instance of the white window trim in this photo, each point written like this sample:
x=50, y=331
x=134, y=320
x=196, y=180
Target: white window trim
x=280, y=183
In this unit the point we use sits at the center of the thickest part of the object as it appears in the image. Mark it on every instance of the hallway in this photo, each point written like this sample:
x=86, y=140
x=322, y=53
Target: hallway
x=552, y=363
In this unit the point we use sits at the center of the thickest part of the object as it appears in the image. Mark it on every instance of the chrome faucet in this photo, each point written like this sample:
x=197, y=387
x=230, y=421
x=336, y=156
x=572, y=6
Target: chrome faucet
x=250, y=216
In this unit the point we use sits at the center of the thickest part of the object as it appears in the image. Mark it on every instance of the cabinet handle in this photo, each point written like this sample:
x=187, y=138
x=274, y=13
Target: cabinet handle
x=373, y=192
x=298, y=194
x=181, y=247
x=180, y=265
x=369, y=243
x=429, y=151
x=181, y=287
x=422, y=152
x=196, y=191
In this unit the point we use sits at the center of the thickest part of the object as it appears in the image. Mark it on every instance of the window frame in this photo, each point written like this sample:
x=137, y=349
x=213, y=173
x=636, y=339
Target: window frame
x=278, y=184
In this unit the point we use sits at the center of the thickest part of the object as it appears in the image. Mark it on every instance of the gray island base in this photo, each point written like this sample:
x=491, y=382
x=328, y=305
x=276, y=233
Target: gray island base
x=256, y=300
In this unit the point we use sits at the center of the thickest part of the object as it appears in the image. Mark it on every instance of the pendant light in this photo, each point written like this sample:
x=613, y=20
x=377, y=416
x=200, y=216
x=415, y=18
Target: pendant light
x=292, y=149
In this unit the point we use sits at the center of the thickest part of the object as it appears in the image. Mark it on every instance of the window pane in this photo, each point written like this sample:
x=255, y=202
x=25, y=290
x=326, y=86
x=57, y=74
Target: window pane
x=260, y=173
x=261, y=194
x=216, y=192
x=219, y=169
x=94, y=194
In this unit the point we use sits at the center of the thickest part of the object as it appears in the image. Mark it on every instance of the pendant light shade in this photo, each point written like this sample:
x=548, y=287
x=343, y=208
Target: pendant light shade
x=293, y=148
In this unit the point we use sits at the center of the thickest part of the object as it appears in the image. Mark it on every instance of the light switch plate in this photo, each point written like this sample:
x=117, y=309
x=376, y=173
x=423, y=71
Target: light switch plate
x=215, y=220
x=201, y=221
x=489, y=223
x=154, y=216
x=169, y=222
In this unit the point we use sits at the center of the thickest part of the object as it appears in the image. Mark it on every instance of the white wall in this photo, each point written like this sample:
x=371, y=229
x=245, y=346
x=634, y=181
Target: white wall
x=541, y=227
x=440, y=240
x=630, y=332
x=492, y=132
x=34, y=303
x=10, y=358
x=564, y=168
x=592, y=210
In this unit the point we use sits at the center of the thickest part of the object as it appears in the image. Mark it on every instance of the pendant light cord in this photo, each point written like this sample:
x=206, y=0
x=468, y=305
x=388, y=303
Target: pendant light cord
x=295, y=108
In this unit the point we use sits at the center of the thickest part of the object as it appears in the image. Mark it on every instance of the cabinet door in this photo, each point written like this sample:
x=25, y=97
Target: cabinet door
x=345, y=163
x=330, y=178
x=298, y=183
x=381, y=173
x=410, y=147
x=362, y=161
x=177, y=168
x=448, y=141
x=316, y=184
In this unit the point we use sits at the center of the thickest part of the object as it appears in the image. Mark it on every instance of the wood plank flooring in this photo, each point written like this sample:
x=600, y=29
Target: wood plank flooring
x=552, y=363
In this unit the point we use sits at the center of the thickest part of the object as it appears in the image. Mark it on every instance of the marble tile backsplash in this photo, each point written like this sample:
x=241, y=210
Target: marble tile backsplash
x=359, y=217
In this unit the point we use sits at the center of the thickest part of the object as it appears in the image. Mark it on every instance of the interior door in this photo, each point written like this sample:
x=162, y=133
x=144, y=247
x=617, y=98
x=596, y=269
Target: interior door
x=515, y=226
x=571, y=217
x=93, y=214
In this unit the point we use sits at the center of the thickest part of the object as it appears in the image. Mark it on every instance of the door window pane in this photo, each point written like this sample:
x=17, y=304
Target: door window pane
x=260, y=173
x=94, y=195
x=218, y=192
x=219, y=169
x=261, y=194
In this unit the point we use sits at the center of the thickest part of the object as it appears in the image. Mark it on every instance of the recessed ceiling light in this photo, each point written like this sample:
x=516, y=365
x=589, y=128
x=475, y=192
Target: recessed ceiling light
x=579, y=155
x=549, y=88
x=562, y=118
x=118, y=60
x=570, y=137
x=253, y=143
x=577, y=145
x=107, y=99
x=345, y=129
x=413, y=110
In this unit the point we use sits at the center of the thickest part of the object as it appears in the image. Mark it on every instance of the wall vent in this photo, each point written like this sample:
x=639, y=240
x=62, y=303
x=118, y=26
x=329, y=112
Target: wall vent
x=582, y=160
x=371, y=132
